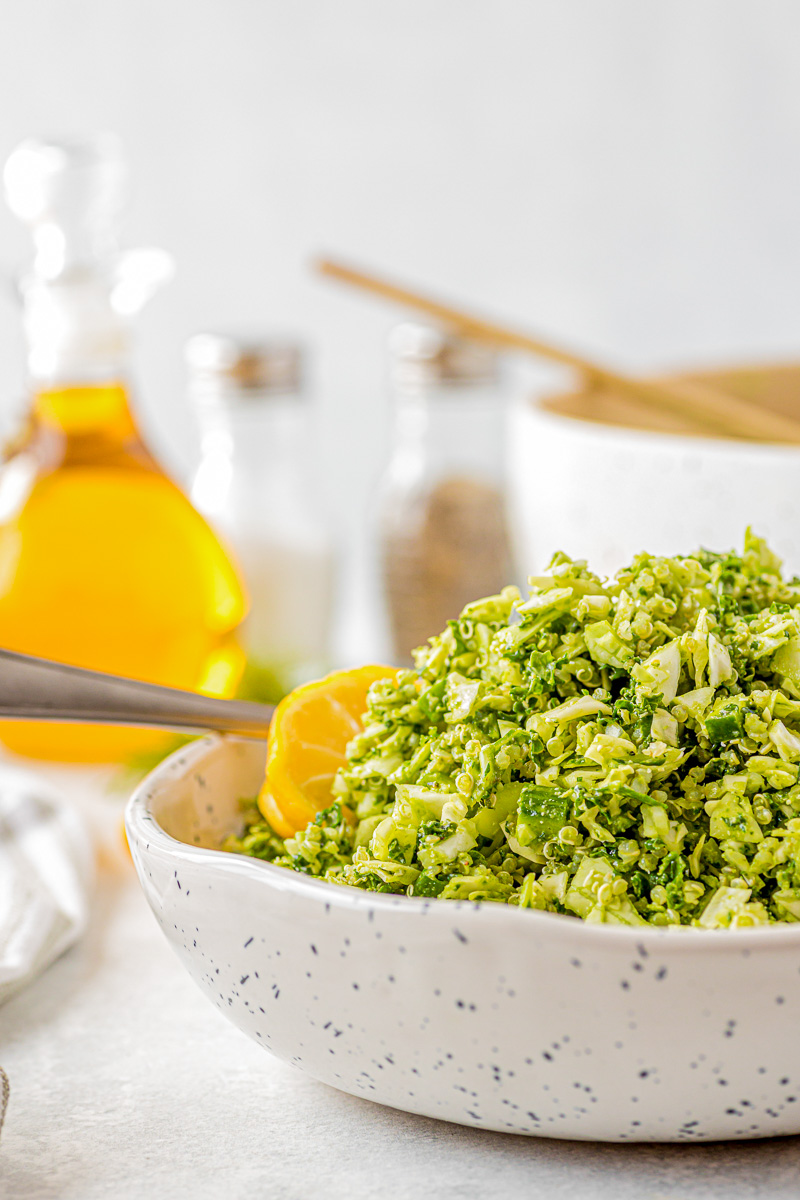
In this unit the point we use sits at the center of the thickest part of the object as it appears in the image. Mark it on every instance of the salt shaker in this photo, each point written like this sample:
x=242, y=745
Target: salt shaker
x=254, y=482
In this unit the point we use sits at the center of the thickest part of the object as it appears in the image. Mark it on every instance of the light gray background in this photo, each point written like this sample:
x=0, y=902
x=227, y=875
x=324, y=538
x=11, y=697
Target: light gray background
x=622, y=175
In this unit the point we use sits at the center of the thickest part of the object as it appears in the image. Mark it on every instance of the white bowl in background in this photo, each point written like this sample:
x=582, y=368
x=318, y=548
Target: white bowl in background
x=480, y=1014
x=605, y=493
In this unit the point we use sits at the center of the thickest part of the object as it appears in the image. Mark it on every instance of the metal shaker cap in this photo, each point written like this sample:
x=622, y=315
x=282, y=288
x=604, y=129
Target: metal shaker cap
x=423, y=354
x=245, y=366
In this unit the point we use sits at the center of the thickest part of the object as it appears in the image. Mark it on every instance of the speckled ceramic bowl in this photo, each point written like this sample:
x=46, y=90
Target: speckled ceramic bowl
x=480, y=1014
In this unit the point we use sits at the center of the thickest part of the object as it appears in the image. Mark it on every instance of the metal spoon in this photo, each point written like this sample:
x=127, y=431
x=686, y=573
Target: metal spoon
x=38, y=689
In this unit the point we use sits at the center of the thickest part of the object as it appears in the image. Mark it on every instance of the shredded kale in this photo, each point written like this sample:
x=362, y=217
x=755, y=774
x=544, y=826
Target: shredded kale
x=625, y=751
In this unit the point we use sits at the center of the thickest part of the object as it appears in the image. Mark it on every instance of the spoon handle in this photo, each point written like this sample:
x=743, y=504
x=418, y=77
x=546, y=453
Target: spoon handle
x=37, y=689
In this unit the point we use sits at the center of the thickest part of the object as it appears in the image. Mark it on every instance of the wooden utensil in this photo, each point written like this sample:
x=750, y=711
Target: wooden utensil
x=715, y=410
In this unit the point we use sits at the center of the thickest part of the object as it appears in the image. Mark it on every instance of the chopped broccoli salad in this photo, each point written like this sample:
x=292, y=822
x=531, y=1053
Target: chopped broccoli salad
x=625, y=751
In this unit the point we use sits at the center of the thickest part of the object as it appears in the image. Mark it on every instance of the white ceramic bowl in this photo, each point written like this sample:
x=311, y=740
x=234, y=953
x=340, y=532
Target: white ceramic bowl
x=606, y=493
x=480, y=1014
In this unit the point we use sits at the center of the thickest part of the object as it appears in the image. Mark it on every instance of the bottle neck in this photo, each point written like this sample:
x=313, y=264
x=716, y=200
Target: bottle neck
x=453, y=428
x=77, y=355
x=262, y=432
x=73, y=333
x=255, y=460
x=81, y=410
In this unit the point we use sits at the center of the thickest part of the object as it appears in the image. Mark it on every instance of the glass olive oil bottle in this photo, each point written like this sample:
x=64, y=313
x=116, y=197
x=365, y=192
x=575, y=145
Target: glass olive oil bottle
x=104, y=562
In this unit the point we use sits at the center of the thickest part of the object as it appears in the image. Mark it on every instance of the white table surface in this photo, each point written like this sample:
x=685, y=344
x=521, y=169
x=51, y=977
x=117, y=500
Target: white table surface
x=127, y=1083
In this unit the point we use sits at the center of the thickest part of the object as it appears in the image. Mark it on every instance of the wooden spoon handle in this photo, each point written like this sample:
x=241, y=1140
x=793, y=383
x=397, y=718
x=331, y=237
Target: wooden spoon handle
x=717, y=411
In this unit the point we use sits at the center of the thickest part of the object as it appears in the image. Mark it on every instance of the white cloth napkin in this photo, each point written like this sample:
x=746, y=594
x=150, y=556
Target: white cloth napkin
x=46, y=873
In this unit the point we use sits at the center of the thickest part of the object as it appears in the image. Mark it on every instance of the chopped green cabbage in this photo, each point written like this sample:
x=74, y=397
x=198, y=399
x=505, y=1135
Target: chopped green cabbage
x=623, y=751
